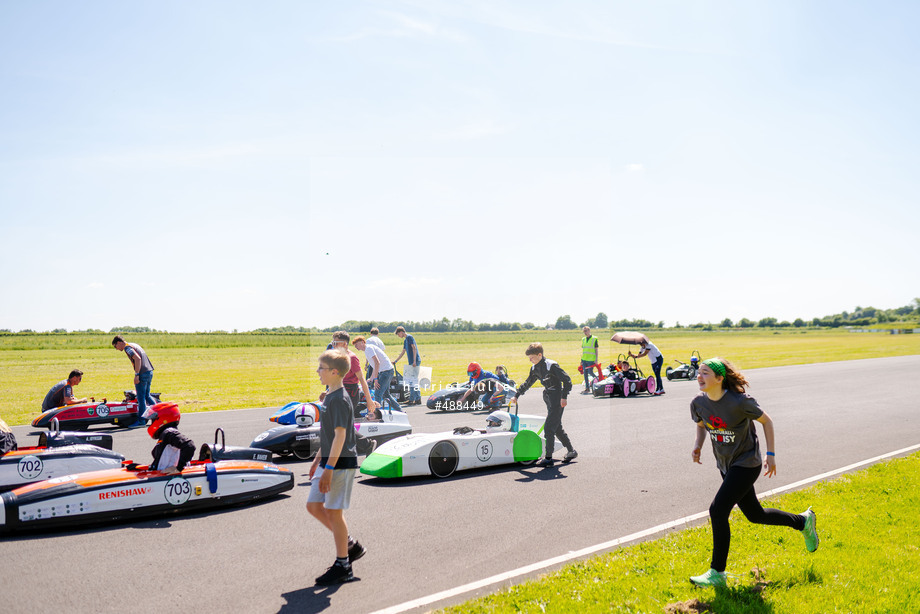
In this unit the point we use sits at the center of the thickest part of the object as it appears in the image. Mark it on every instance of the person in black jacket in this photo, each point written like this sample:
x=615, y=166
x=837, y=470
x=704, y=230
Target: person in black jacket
x=7, y=439
x=556, y=387
x=173, y=450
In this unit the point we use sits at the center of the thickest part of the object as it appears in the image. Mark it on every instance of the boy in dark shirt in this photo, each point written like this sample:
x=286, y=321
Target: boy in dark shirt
x=556, y=387
x=332, y=474
x=173, y=450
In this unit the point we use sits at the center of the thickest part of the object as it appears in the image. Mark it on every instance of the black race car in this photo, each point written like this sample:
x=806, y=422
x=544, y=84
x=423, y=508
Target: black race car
x=302, y=439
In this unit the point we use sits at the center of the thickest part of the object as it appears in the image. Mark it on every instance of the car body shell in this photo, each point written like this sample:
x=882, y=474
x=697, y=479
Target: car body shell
x=83, y=415
x=618, y=386
x=440, y=454
x=34, y=464
x=285, y=415
x=303, y=441
x=135, y=492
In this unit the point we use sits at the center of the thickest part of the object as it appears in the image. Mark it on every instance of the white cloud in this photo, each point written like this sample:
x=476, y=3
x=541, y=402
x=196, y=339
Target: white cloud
x=95, y=285
x=635, y=168
x=406, y=27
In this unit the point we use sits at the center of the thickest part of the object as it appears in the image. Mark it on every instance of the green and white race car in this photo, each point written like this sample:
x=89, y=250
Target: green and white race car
x=506, y=439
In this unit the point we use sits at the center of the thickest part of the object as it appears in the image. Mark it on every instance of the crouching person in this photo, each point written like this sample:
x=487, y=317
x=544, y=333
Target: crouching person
x=173, y=450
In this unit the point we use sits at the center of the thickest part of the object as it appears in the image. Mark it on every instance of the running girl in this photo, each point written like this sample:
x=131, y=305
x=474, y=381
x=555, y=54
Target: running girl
x=724, y=410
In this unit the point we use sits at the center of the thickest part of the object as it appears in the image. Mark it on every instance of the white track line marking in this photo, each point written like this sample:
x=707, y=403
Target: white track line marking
x=564, y=558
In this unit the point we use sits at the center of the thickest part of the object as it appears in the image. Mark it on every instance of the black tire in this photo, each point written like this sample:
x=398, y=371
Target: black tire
x=691, y=374
x=443, y=459
x=304, y=453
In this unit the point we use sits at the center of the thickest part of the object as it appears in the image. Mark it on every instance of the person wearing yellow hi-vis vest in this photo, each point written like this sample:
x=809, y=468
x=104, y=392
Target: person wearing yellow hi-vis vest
x=589, y=356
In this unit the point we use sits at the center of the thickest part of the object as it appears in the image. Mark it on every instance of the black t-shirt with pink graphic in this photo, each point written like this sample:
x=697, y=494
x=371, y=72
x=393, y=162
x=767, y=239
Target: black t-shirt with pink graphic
x=729, y=422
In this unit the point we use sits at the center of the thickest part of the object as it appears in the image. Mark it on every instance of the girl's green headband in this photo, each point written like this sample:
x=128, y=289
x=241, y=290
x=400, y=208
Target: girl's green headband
x=716, y=365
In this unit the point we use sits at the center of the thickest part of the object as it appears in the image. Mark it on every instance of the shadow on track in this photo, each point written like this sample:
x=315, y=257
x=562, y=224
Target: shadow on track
x=529, y=472
x=310, y=600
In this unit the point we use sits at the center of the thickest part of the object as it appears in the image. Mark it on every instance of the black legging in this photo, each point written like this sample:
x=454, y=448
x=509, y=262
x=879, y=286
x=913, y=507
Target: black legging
x=656, y=367
x=552, y=428
x=738, y=488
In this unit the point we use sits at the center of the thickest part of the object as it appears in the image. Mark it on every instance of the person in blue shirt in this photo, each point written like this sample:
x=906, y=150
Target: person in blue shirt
x=410, y=373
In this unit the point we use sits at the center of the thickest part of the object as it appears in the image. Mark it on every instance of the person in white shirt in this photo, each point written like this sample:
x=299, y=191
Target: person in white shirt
x=374, y=339
x=381, y=372
x=655, y=357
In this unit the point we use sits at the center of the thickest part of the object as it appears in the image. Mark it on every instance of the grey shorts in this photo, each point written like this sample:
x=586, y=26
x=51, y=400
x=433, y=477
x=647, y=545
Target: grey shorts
x=339, y=495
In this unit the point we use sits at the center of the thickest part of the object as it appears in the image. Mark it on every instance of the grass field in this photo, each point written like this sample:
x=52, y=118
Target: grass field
x=226, y=371
x=867, y=561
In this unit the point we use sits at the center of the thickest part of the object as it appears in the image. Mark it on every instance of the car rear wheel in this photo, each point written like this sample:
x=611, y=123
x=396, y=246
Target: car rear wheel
x=667, y=373
x=651, y=385
x=303, y=453
x=443, y=459
x=691, y=374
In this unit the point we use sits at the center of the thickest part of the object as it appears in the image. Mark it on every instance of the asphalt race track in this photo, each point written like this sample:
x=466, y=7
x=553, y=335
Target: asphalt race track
x=425, y=535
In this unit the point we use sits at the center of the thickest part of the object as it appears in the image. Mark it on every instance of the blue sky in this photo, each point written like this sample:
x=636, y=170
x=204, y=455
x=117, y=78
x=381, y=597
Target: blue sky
x=231, y=165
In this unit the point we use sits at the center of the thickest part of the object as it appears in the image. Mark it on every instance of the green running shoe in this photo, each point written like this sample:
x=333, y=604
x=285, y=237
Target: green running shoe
x=811, y=530
x=710, y=578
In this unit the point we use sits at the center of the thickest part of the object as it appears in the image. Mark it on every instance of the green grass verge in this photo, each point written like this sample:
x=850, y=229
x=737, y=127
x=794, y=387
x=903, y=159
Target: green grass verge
x=867, y=562
x=227, y=371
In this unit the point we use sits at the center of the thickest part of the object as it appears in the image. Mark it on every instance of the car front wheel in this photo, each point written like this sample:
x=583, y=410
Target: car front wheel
x=443, y=459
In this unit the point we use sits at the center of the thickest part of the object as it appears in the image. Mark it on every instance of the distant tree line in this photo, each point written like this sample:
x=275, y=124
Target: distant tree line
x=859, y=317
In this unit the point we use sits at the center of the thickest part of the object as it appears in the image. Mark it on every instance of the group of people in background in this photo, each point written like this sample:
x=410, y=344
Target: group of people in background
x=380, y=369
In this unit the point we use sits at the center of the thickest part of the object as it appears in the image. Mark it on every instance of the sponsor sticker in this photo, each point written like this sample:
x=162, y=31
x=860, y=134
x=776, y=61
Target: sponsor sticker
x=177, y=490
x=124, y=492
x=91, y=411
x=30, y=467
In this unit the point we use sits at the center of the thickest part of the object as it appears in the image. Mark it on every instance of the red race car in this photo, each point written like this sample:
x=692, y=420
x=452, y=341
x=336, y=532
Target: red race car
x=80, y=416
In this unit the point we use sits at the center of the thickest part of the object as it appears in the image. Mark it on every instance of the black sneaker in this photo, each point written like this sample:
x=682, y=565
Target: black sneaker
x=337, y=574
x=570, y=456
x=356, y=551
x=546, y=462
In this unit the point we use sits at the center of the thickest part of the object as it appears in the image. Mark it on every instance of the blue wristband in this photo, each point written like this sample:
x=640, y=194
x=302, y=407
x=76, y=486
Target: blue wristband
x=771, y=454
x=328, y=466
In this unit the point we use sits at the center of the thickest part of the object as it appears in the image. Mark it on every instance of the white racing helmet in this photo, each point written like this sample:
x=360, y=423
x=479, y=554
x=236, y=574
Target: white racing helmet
x=498, y=421
x=305, y=415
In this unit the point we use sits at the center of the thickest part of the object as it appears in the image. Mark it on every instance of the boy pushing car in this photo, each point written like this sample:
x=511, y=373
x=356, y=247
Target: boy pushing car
x=556, y=387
